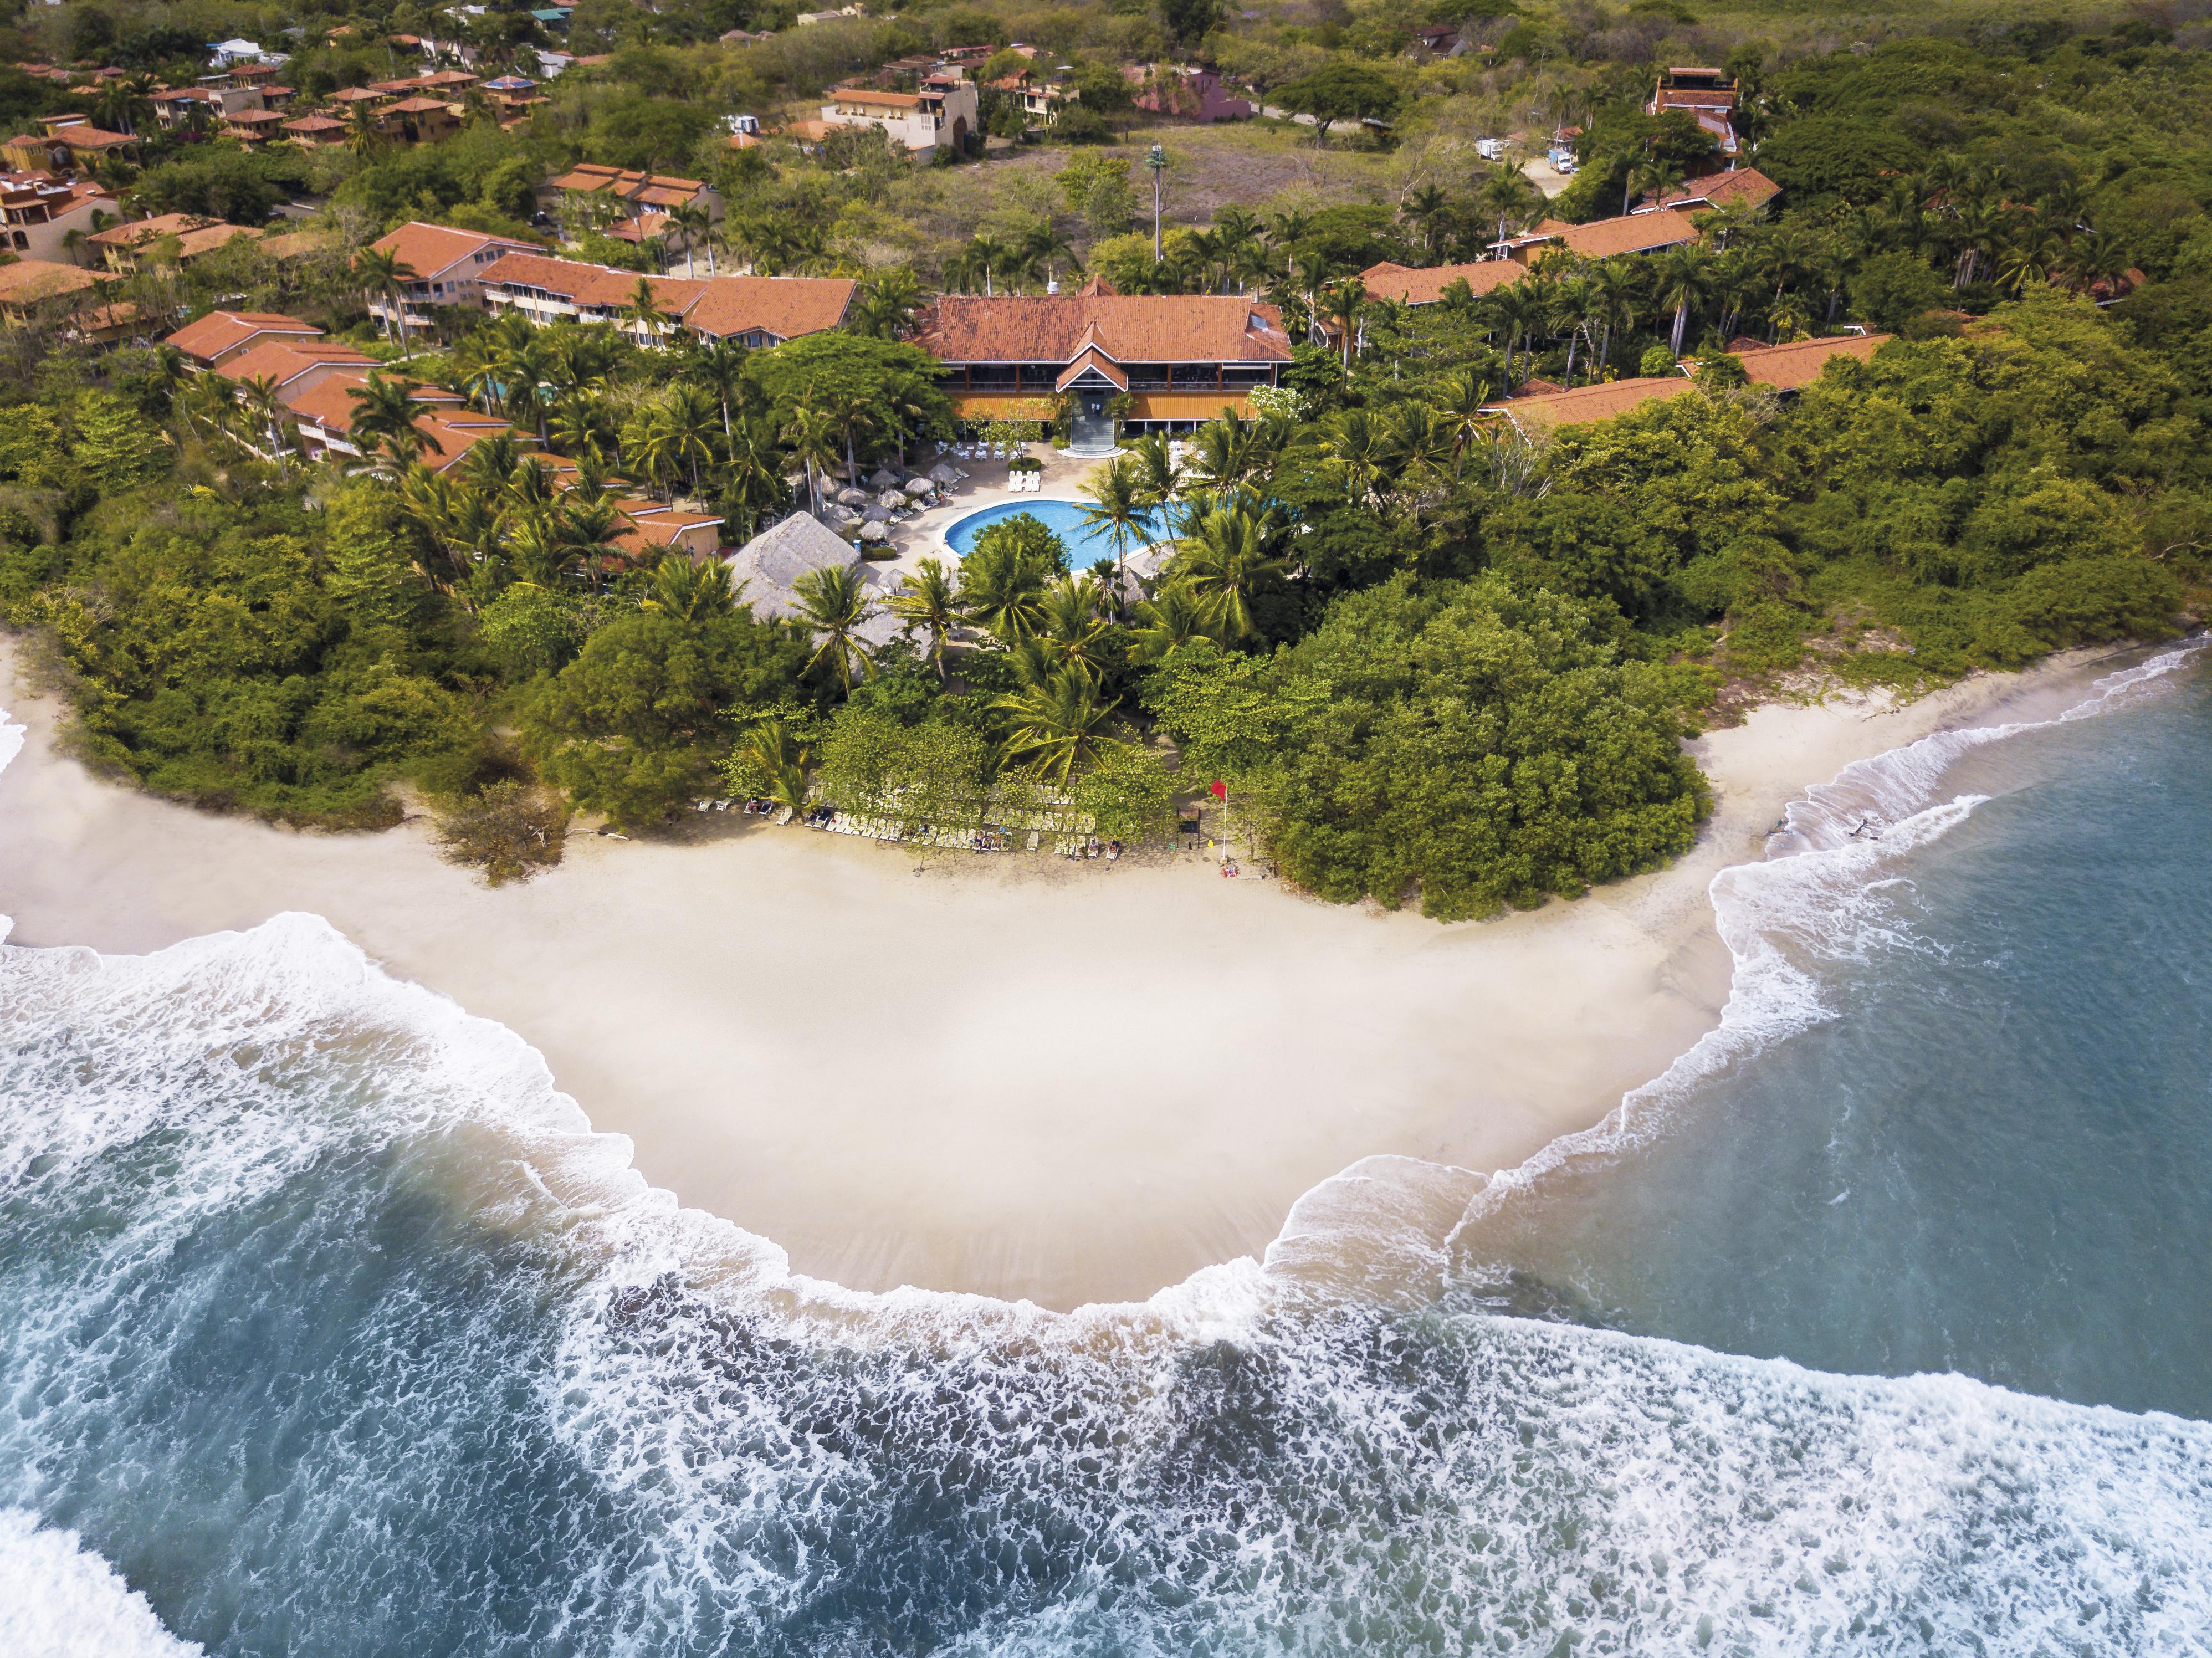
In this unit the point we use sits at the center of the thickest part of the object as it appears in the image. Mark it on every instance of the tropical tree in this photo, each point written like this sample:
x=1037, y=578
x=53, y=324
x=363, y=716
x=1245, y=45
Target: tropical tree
x=813, y=442
x=1002, y=592
x=690, y=590
x=693, y=219
x=1074, y=634
x=1683, y=279
x=1340, y=303
x=834, y=603
x=1459, y=405
x=1118, y=495
x=264, y=401
x=383, y=274
x=768, y=753
x=928, y=601
x=643, y=312
x=1057, y=727
x=1173, y=616
x=1225, y=551
x=384, y=413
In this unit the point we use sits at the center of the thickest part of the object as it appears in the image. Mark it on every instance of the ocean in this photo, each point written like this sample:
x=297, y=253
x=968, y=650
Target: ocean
x=1874, y=1325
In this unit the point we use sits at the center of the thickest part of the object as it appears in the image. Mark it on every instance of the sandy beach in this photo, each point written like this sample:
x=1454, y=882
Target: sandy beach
x=1009, y=1076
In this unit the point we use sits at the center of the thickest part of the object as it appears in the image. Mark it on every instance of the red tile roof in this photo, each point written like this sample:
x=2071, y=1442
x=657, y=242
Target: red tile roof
x=1125, y=327
x=785, y=306
x=28, y=281
x=1586, y=403
x=195, y=234
x=284, y=362
x=1639, y=233
x=431, y=249
x=219, y=331
x=1744, y=186
x=1426, y=285
x=1794, y=366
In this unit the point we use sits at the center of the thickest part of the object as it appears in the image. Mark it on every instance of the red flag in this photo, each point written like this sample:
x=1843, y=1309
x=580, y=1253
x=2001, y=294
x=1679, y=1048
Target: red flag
x=1219, y=789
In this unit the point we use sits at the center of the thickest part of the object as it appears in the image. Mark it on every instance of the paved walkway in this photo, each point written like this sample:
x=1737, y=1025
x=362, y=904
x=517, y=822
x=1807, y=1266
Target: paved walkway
x=922, y=535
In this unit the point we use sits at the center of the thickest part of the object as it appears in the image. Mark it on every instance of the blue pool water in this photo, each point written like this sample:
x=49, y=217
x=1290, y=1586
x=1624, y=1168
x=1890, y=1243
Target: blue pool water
x=1085, y=546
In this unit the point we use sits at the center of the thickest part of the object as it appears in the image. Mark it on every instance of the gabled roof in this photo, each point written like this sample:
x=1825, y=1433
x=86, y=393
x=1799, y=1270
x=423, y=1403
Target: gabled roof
x=1639, y=232
x=431, y=249
x=785, y=306
x=1746, y=186
x=1426, y=285
x=219, y=331
x=78, y=135
x=28, y=281
x=1091, y=359
x=284, y=362
x=1586, y=403
x=1794, y=366
x=195, y=235
x=592, y=175
x=1127, y=327
x=330, y=402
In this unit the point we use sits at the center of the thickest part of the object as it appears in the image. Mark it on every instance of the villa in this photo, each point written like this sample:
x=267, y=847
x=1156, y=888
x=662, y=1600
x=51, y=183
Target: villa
x=1707, y=95
x=448, y=267
x=754, y=311
x=943, y=112
x=1425, y=285
x=1744, y=187
x=1179, y=359
x=222, y=336
x=1602, y=238
x=39, y=211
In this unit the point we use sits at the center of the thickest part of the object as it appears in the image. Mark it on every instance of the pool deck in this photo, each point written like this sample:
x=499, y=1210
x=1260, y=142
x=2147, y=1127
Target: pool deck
x=922, y=535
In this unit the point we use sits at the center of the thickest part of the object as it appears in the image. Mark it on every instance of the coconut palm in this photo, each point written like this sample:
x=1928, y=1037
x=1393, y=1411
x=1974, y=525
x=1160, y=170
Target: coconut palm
x=1518, y=308
x=1655, y=177
x=1340, y=303
x=719, y=367
x=769, y=750
x=1226, y=452
x=928, y=600
x=691, y=590
x=834, y=603
x=1073, y=633
x=1157, y=465
x=583, y=428
x=1355, y=443
x=1459, y=405
x=490, y=462
x=264, y=401
x=383, y=275
x=1509, y=198
x=813, y=442
x=1226, y=550
x=1002, y=594
x=525, y=366
x=1058, y=726
x=1422, y=207
x=1685, y=280
x=384, y=413
x=364, y=132
x=693, y=219
x=1173, y=616
x=1116, y=494
x=1615, y=304
x=753, y=482
x=2030, y=257
x=643, y=312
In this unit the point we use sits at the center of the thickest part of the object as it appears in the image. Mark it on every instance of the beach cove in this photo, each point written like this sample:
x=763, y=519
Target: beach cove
x=1013, y=1077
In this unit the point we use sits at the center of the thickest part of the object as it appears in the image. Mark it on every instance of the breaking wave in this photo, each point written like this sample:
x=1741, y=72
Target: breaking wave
x=331, y=1324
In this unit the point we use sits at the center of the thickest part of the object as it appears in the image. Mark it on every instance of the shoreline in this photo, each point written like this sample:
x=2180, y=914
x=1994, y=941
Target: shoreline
x=1003, y=1076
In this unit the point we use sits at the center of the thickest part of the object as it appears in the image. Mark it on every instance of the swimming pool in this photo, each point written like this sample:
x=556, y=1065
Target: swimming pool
x=1085, y=546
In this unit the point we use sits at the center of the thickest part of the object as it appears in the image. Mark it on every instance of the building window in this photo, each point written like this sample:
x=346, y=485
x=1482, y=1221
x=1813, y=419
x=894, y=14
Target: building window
x=21, y=241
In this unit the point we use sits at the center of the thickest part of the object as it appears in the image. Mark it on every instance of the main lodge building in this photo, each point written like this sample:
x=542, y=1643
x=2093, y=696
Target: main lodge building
x=1180, y=359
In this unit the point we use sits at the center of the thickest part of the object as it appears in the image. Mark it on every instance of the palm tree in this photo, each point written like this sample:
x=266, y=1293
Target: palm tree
x=770, y=749
x=1355, y=443
x=2031, y=257
x=1002, y=595
x=1685, y=279
x=1573, y=307
x=1339, y=304
x=1421, y=209
x=1508, y=197
x=673, y=435
x=1059, y=725
x=1460, y=403
x=1041, y=250
x=384, y=273
x=753, y=485
x=888, y=304
x=719, y=366
x=1157, y=465
x=1173, y=616
x=265, y=399
x=2096, y=256
x=525, y=366
x=691, y=590
x=695, y=221
x=1517, y=306
x=364, y=136
x=813, y=443
x=1225, y=552
x=927, y=599
x=1614, y=304
x=1227, y=451
x=1655, y=177
x=384, y=415
x=850, y=413
x=583, y=430
x=643, y=313
x=1073, y=633
x=1116, y=494
x=834, y=603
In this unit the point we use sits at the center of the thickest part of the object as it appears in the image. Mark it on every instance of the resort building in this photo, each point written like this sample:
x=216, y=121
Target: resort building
x=167, y=238
x=64, y=140
x=1426, y=284
x=449, y=267
x=1601, y=238
x=1178, y=359
x=772, y=564
x=222, y=336
x=1708, y=95
x=1739, y=186
x=943, y=112
x=620, y=193
x=173, y=106
x=31, y=285
x=1039, y=98
x=1786, y=369
x=295, y=364
x=754, y=311
x=316, y=131
x=45, y=217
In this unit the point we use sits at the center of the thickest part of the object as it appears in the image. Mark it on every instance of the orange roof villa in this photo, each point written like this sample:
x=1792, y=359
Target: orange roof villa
x=1425, y=285
x=1181, y=358
x=754, y=311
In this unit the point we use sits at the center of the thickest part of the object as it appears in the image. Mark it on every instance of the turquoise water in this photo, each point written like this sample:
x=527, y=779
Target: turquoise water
x=325, y=1324
x=1085, y=546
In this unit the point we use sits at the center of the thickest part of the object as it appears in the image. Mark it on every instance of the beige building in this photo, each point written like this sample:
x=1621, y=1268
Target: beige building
x=943, y=112
x=40, y=212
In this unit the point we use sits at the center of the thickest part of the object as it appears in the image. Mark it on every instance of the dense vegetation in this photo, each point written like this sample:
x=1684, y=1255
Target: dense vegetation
x=1430, y=657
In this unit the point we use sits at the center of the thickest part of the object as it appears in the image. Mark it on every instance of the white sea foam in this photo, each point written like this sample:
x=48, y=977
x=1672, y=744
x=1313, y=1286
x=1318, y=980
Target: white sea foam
x=1824, y=893
x=1252, y=1463
x=59, y=1600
